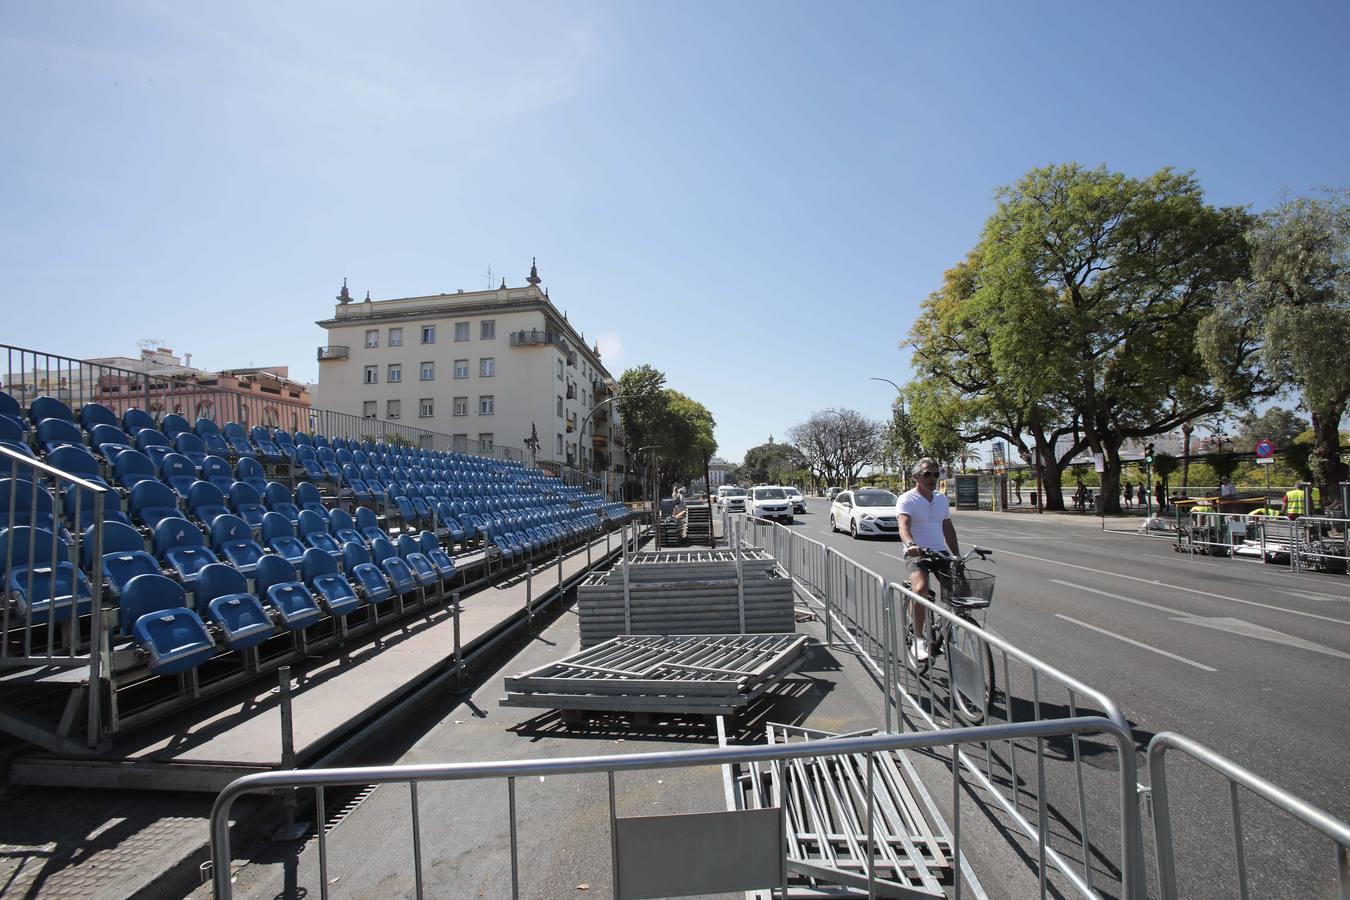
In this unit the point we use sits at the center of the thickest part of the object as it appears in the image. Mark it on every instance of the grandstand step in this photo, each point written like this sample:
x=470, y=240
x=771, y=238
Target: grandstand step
x=127, y=774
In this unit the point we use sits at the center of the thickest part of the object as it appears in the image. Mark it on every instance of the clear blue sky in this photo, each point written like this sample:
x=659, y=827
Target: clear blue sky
x=753, y=197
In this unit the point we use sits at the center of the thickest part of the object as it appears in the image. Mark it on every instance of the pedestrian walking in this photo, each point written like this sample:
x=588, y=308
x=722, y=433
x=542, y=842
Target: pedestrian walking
x=1129, y=495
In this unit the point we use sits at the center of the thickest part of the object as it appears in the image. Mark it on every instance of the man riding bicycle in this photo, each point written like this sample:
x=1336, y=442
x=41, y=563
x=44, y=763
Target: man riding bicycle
x=925, y=524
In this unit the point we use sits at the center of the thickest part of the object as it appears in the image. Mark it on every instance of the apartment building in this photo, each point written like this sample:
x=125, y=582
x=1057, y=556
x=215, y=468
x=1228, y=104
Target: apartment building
x=492, y=369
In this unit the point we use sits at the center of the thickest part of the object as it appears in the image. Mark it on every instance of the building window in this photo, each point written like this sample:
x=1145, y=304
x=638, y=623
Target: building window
x=395, y=337
x=560, y=407
x=461, y=331
x=461, y=368
x=428, y=371
x=425, y=408
x=485, y=442
x=368, y=409
x=372, y=337
x=487, y=330
x=428, y=334
x=560, y=370
x=459, y=442
x=393, y=408
x=486, y=405
x=461, y=406
x=372, y=374
x=487, y=367
x=560, y=439
x=395, y=374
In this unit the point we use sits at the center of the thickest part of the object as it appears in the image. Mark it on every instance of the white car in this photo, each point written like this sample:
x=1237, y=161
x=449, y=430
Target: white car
x=769, y=503
x=731, y=499
x=869, y=512
x=798, y=501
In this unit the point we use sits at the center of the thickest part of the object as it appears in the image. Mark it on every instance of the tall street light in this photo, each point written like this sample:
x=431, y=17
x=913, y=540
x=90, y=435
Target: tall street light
x=581, y=432
x=655, y=474
x=900, y=391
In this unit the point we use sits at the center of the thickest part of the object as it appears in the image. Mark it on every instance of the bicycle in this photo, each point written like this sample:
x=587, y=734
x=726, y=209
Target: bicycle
x=970, y=661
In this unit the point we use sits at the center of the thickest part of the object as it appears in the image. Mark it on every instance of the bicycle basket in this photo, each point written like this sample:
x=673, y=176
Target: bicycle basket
x=968, y=588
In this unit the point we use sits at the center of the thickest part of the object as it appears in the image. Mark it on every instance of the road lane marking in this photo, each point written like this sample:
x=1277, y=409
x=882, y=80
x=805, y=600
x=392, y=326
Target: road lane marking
x=1260, y=632
x=1080, y=587
x=1149, y=647
x=1172, y=587
x=1218, y=623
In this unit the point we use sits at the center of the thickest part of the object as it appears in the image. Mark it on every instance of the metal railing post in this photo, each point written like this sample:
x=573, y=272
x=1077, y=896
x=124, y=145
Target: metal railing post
x=459, y=654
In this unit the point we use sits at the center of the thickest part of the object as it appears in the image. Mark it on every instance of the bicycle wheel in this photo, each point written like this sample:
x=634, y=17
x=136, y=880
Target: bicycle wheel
x=917, y=666
x=972, y=673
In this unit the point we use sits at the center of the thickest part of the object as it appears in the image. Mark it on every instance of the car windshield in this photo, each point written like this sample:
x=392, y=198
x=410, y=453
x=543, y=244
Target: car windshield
x=770, y=494
x=735, y=492
x=793, y=492
x=874, y=498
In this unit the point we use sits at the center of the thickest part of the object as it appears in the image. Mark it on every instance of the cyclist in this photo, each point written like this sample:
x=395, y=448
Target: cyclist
x=925, y=522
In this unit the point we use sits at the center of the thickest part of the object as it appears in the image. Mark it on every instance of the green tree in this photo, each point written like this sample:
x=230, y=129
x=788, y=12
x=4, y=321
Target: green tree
x=681, y=429
x=1294, y=310
x=771, y=463
x=1095, y=284
x=641, y=403
x=1164, y=465
x=1277, y=425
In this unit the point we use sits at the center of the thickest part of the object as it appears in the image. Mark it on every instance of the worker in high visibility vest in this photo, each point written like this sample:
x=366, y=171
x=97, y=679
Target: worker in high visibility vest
x=1295, y=502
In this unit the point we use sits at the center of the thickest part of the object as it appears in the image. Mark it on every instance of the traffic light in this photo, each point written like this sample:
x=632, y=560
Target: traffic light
x=1148, y=453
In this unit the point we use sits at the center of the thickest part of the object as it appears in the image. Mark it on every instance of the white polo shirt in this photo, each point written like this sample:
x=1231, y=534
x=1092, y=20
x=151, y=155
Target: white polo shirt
x=925, y=518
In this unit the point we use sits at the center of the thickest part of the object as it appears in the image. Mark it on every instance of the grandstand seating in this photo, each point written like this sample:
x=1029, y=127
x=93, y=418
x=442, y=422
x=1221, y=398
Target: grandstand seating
x=216, y=540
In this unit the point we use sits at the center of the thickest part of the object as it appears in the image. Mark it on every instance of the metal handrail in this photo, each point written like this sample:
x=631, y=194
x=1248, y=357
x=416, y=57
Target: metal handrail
x=1305, y=812
x=612, y=763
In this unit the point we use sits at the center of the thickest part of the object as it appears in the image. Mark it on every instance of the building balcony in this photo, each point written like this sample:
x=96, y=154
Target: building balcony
x=599, y=440
x=571, y=391
x=536, y=337
x=334, y=352
x=601, y=390
x=601, y=417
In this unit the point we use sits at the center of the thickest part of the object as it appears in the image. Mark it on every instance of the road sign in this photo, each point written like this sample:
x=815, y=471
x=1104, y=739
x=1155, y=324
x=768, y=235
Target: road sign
x=1264, y=449
x=1265, y=460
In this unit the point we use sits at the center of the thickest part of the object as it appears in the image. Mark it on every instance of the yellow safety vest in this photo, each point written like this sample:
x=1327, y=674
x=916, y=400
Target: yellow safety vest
x=1293, y=502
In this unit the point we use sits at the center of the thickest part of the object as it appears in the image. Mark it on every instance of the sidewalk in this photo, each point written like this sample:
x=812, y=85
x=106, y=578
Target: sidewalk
x=1123, y=522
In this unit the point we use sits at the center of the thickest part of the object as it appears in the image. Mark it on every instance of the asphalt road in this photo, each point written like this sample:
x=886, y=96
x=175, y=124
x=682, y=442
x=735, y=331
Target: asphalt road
x=1244, y=657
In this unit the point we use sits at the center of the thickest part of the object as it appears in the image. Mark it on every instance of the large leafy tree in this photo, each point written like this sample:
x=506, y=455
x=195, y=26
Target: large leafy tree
x=1095, y=284
x=1294, y=310
x=771, y=463
x=657, y=416
x=1278, y=425
x=837, y=444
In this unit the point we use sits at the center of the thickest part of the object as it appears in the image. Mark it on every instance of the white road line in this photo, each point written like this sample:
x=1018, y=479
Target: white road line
x=1121, y=637
x=1173, y=587
x=1158, y=606
x=891, y=555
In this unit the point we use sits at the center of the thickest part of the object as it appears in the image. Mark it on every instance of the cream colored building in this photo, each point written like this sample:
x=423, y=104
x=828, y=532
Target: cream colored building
x=488, y=368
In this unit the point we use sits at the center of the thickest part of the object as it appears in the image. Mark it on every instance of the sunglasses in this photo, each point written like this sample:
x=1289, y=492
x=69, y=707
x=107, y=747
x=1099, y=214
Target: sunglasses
x=927, y=475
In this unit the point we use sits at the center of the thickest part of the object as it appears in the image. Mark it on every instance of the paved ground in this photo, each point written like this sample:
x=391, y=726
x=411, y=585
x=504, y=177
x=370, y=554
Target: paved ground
x=1244, y=657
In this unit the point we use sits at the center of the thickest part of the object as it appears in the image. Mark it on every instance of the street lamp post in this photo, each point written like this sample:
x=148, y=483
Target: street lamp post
x=899, y=391
x=653, y=484
x=581, y=432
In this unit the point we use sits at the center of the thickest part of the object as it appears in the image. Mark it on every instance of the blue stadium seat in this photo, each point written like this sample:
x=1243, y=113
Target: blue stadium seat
x=232, y=538
x=304, y=456
x=52, y=588
x=53, y=433
x=367, y=576
x=211, y=437
x=445, y=566
x=77, y=461
x=78, y=506
x=313, y=530
x=151, y=501
x=250, y=471
x=180, y=545
x=134, y=419
x=110, y=441
x=400, y=575
x=284, y=442
x=351, y=478
x=369, y=526
x=322, y=577
x=153, y=444
x=246, y=503
x=267, y=449
x=328, y=459
x=33, y=504
x=307, y=496
x=239, y=615
x=192, y=447
x=153, y=610
x=216, y=470
x=205, y=502
x=49, y=408
x=13, y=431
x=124, y=556
x=235, y=436
x=10, y=407
x=178, y=472
x=279, y=500
x=276, y=581
x=131, y=467
x=341, y=526
x=422, y=569
x=174, y=425
x=278, y=534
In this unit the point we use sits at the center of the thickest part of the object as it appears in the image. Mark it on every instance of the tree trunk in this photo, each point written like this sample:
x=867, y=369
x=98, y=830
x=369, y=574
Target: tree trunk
x=1052, y=481
x=1327, y=468
x=1110, y=480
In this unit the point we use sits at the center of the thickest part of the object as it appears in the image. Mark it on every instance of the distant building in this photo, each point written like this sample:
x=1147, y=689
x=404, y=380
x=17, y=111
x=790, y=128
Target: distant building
x=489, y=368
x=718, y=470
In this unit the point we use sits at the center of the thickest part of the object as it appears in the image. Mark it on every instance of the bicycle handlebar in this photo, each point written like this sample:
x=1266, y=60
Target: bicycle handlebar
x=946, y=556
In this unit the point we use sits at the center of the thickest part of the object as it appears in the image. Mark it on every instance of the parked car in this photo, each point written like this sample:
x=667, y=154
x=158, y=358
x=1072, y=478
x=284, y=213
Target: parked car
x=798, y=501
x=731, y=499
x=869, y=512
x=831, y=493
x=769, y=503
